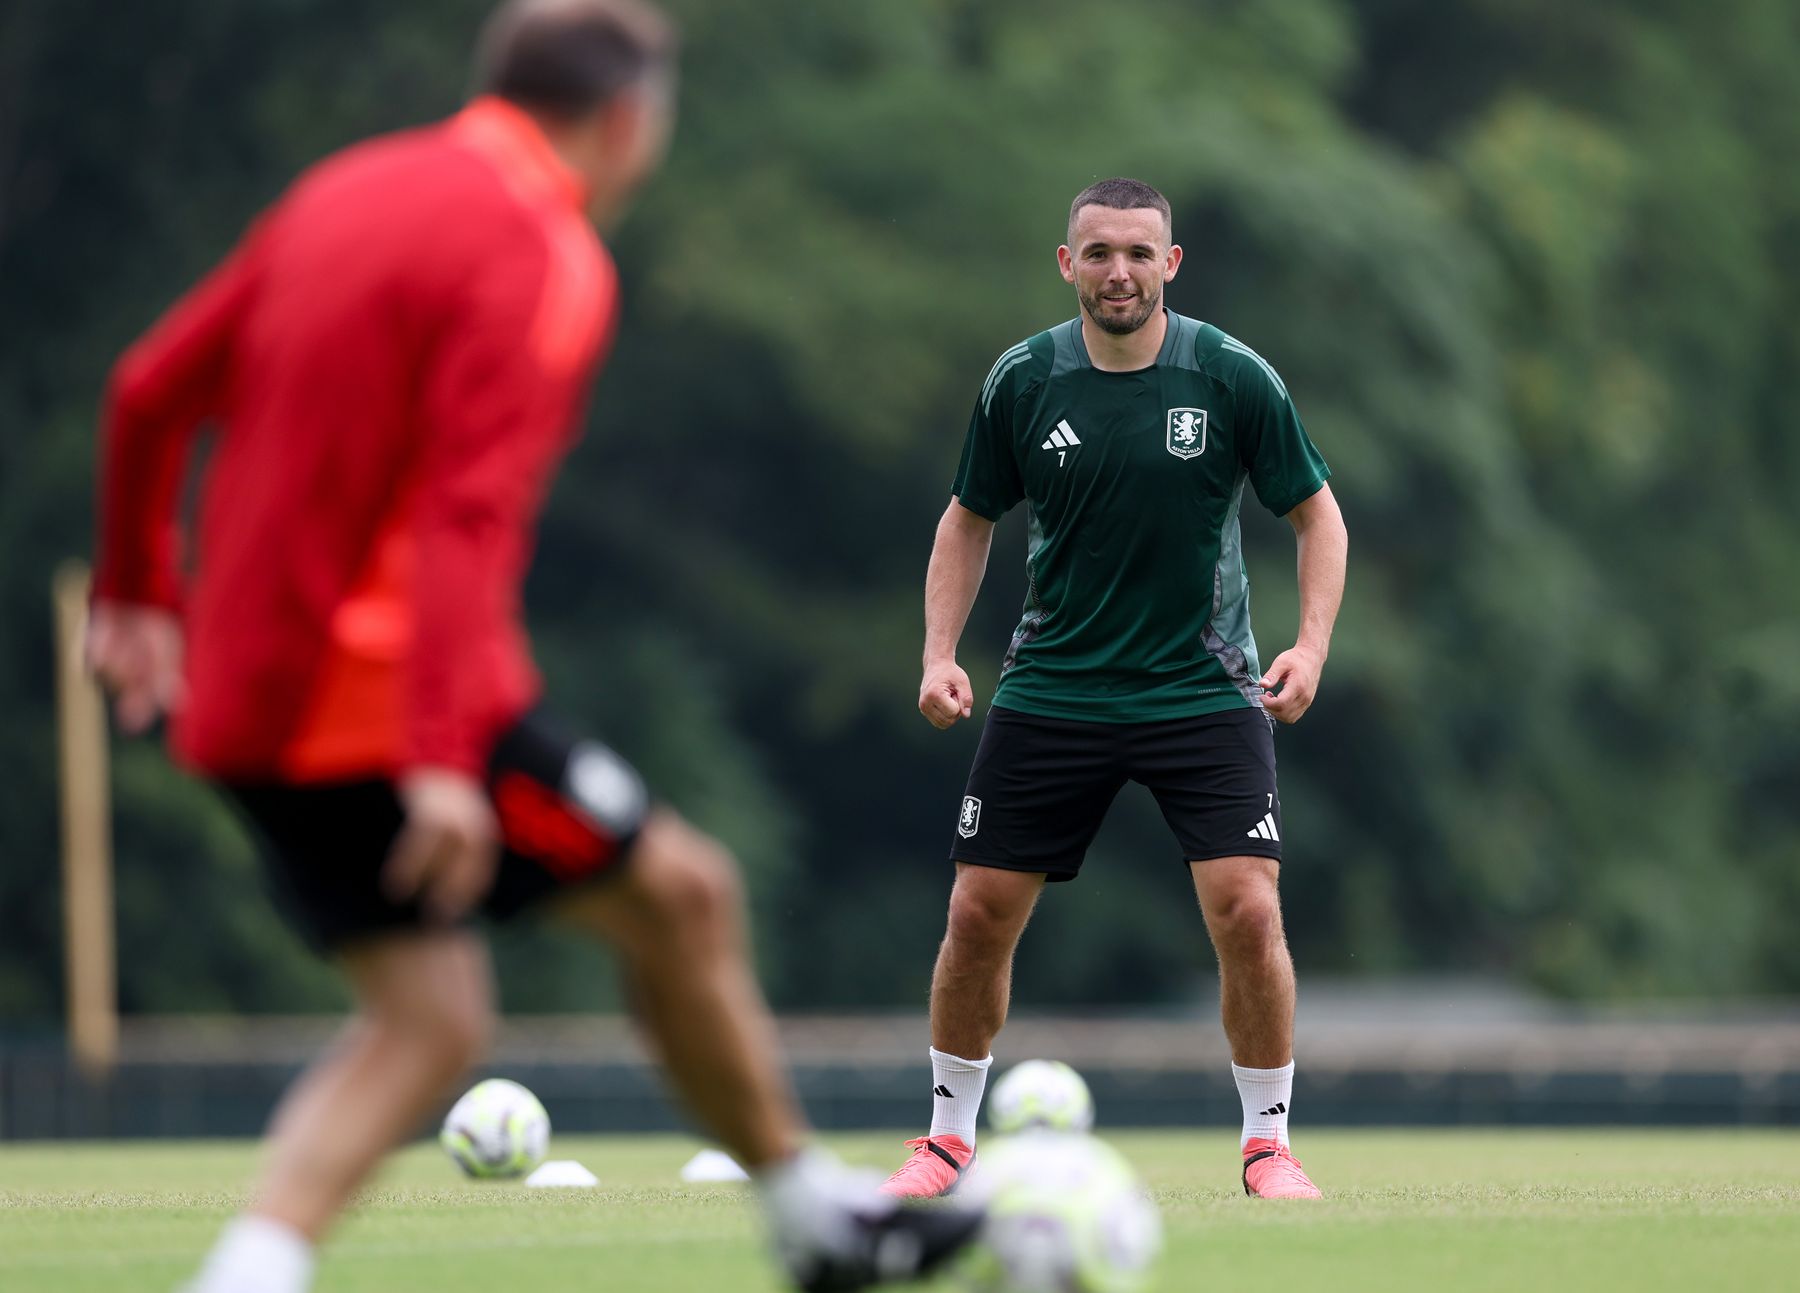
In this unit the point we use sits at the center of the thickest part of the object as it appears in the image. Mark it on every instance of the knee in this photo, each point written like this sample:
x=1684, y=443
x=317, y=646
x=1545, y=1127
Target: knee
x=983, y=918
x=689, y=883
x=468, y=1033
x=453, y=1033
x=1246, y=922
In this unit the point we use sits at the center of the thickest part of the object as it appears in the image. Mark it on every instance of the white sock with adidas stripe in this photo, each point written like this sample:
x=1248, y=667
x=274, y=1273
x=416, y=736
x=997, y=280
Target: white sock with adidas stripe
x=956, y=1089
x=1266, y=1095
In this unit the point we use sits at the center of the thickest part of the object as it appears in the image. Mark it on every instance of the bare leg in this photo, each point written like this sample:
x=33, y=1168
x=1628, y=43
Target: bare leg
x=1239, y=898
x=972, y=982
x=676, y=915
x=425, y=1016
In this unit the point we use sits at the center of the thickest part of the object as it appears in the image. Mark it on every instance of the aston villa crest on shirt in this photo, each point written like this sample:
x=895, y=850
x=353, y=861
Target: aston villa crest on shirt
x=1187, y=432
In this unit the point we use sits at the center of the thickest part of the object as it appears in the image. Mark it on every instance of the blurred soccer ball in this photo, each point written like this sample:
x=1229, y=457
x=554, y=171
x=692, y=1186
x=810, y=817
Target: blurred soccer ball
x=1066, y=1214
x=1041, y=1093
x=498, y=1129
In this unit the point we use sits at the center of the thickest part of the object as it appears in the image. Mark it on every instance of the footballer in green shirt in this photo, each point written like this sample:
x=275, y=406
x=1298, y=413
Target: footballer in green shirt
x=1129, y=433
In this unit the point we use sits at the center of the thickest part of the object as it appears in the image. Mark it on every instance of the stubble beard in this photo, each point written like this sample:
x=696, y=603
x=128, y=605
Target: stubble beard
x=1094, y=308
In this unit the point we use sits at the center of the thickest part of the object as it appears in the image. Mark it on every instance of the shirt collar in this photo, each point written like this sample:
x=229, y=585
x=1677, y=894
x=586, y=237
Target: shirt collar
x=1165, y=353
x=507, y=136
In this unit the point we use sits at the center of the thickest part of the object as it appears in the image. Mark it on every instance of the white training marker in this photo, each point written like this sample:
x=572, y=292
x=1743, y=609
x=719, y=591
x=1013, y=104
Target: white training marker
x=562, y=1172
x=710, y=1166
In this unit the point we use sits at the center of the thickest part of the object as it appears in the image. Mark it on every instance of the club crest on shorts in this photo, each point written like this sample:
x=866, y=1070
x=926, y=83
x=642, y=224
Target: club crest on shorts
x=1186, y=436
x=605, y=787
x=970, y=821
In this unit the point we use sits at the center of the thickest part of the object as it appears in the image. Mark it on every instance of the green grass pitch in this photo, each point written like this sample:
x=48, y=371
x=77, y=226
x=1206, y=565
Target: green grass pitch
x=1428, y=1211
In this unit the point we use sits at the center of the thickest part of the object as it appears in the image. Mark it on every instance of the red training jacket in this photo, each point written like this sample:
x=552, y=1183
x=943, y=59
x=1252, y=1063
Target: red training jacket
x=396, y=355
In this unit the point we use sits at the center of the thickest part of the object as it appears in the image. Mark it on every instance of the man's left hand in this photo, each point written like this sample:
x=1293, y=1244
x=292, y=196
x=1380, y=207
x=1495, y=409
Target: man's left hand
x=1291, y=682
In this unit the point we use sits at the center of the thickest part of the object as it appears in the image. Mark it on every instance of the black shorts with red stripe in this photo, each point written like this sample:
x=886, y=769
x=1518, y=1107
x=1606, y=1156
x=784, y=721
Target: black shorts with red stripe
x=569, y=812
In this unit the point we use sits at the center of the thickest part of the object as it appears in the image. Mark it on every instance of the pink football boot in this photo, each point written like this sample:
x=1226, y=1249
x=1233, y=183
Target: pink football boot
x=936, y=1166
x=1272, y=1172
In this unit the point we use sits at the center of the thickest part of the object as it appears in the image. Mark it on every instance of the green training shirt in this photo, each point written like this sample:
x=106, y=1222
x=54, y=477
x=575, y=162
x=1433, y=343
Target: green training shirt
x=1137, y=606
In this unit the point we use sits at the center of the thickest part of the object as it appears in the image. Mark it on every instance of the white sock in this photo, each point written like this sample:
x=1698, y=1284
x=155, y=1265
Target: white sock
x=812, y=1203
x=1266, y=1095
x=257, y=1255
x=956, y=1088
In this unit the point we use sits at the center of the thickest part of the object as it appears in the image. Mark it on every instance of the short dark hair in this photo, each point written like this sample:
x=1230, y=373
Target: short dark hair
x=1121, y=194
x=564, y=58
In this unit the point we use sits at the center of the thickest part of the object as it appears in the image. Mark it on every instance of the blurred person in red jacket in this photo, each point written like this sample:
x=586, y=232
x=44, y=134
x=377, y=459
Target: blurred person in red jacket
x=396, y=357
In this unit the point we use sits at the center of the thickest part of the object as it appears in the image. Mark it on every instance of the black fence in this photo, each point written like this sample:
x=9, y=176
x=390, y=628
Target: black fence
x=42, y=1098
x=222, y=1077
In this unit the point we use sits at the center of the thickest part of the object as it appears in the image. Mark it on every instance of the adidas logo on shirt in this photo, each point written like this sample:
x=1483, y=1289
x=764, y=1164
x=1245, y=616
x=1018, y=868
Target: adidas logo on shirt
x=1063, y=437
x=1265, y=829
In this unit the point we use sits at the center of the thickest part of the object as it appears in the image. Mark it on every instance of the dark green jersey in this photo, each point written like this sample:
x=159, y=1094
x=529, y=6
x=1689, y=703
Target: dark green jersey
x=1138, y=607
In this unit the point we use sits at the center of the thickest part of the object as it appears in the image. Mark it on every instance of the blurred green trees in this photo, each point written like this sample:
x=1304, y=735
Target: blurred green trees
x=1529, y=268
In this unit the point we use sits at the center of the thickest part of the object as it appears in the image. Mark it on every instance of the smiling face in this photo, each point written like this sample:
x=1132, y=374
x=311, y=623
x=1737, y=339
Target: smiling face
x=1118, y=261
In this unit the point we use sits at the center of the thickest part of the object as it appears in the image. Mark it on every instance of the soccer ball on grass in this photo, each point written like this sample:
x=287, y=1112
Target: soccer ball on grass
x=497, y=1130
x=1040, y=1093
x=1065, y=1214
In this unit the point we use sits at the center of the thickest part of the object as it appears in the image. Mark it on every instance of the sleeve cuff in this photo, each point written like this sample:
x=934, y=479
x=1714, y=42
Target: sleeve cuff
x=1299, y=496
x=163, y=594
x=987, y=511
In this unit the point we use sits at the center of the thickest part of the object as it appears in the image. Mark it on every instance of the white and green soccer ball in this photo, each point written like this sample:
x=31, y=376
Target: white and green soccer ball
x=1045, y=1094
x=1065, y=1214
x=497, y=1130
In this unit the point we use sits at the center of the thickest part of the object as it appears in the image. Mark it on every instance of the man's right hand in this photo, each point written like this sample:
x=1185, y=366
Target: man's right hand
x=135, y=652
x=945, y=695
x=448, y=847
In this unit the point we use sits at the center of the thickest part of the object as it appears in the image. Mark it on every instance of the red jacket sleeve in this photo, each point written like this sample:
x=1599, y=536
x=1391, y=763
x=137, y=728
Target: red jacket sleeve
x=497, y=411
x=164, y=386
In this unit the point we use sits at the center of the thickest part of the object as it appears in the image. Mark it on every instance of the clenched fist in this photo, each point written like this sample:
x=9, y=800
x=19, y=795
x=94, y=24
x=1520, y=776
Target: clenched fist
x=945, y=695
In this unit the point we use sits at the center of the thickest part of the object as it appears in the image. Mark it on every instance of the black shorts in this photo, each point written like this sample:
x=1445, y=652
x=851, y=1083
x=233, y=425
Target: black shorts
x=1040, y=787
x=569, y=812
